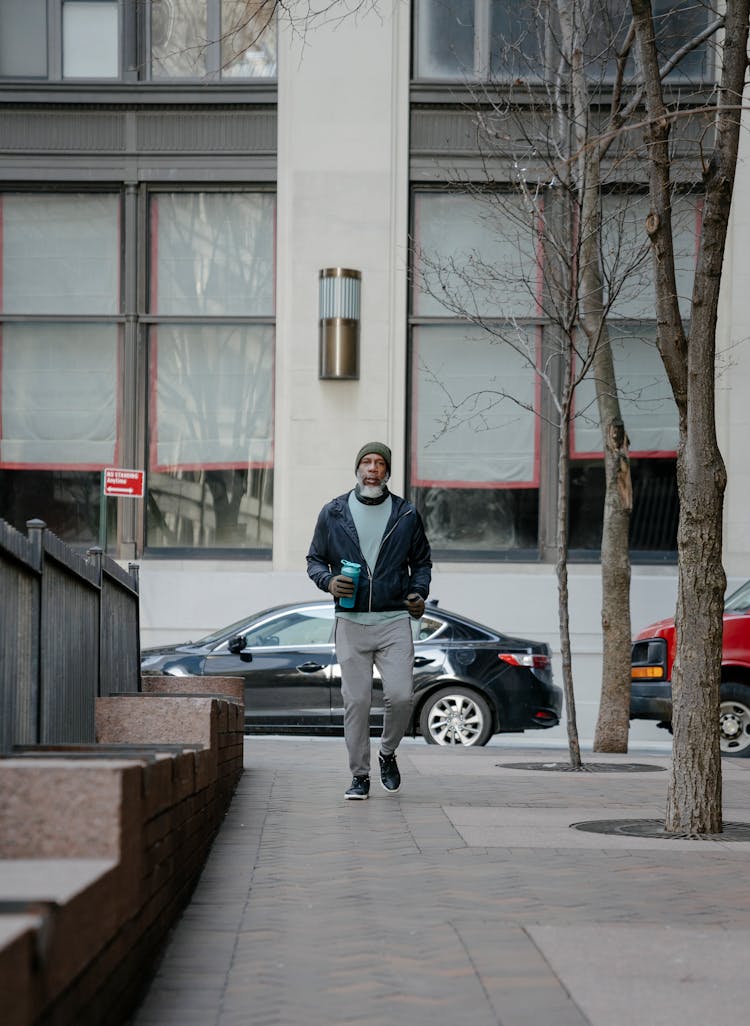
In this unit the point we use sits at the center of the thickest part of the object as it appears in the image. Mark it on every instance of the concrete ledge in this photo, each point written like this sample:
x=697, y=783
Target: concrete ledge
x=50, y=807
x=138, y=719
x=229, y=687
x=98, y=855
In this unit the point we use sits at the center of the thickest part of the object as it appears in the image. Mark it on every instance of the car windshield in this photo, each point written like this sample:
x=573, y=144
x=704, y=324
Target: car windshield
x=228, y=632
x=739, y=601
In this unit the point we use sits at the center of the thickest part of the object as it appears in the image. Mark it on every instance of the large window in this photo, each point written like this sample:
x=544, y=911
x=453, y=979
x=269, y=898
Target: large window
x=60, y=356
x=519, y=40
x=137, y=40
x=75, y=394
x=483, y=355
x=475, y=453
x=211, y=370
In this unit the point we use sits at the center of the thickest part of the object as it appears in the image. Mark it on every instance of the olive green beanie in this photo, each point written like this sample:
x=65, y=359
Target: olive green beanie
x=380, y=448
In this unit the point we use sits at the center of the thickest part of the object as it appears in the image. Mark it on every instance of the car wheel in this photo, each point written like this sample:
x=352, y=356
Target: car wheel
x=456, y=716
x=734, y=720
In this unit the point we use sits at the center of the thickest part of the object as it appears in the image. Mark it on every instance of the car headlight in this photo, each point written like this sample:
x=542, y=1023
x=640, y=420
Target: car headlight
x=649, y=660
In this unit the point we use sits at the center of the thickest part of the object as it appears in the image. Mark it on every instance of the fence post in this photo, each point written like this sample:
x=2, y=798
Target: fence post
x=134, y=571
x=35, y=532
x=94, y=557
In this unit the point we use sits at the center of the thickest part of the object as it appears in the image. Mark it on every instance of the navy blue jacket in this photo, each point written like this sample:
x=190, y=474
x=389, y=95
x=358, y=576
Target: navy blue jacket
x=403, y=565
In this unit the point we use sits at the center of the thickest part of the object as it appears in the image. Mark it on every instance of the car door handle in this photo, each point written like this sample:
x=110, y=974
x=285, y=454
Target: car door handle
x=422, y=660
x=310, y=667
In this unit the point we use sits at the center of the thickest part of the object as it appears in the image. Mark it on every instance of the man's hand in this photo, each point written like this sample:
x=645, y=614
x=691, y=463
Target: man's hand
x=341, y=587
x=415, y=605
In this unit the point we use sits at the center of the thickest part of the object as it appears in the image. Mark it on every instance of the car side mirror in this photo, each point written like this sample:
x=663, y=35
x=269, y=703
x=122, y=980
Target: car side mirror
x=237, y=644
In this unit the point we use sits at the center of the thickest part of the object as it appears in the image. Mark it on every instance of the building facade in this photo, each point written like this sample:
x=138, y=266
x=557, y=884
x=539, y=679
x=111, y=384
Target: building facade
x=174, y=177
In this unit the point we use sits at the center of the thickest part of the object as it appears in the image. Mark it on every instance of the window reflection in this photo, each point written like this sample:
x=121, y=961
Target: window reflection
x=248, y=38
x=653, y=522
x=478, y=520
x=213, y=39
x=68, y=501
x=210, y=509
x=212, y=253
x=179, y=36
x=466, y=40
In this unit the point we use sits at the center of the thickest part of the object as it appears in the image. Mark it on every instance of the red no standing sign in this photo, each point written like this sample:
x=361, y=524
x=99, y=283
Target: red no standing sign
x=125, y=483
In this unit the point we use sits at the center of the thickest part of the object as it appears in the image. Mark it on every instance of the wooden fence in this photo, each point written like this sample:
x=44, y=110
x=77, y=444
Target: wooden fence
x=69, y=633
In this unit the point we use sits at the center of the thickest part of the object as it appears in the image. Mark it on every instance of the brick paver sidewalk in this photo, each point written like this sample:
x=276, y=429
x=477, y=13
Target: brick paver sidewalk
x=464, y=900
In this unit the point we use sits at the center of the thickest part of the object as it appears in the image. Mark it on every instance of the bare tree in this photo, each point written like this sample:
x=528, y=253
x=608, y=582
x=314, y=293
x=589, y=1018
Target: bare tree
x=586, y=180
x=591, y=146
x=536, y=215
x=688, y=352
x=563, y=142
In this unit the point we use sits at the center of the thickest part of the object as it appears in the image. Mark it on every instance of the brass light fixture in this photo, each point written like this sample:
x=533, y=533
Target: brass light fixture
x=339, y=301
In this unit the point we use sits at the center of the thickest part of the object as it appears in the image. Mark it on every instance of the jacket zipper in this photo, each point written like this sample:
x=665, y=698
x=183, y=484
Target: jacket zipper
x=382, y=540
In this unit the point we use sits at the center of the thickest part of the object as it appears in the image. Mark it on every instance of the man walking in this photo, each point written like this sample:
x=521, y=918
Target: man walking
x=385, y=535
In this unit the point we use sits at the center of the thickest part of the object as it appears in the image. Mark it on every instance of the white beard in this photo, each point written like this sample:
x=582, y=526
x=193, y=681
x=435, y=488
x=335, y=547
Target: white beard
x=371, y=491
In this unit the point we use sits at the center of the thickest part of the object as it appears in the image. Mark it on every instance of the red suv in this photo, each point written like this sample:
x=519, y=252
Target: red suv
x=651, y=673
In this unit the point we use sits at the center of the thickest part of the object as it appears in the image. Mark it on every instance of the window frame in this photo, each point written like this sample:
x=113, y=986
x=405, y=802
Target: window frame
x=132, y=322
x=115, y=319
x=134, y=55
x=150, y=321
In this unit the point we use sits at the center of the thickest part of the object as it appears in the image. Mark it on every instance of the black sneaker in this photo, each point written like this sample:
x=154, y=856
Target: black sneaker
x=390, y=777
x=360, y=788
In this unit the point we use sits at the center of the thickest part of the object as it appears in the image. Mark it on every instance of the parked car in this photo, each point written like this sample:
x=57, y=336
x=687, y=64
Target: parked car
x=651, y=672
x=470, y=681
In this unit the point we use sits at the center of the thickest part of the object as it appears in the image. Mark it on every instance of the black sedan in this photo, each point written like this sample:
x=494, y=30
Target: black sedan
x=470, y=681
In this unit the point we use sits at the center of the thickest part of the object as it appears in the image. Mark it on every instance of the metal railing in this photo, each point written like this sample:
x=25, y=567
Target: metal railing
x=69, y=633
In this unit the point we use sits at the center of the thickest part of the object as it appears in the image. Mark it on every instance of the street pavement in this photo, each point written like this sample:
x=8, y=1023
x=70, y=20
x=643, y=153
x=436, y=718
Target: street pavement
x=467, y=899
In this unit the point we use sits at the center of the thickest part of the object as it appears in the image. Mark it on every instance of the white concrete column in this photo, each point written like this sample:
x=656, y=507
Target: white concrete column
x=342, y=202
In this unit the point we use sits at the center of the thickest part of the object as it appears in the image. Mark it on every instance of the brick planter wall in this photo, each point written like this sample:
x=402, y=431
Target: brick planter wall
x=101, y=847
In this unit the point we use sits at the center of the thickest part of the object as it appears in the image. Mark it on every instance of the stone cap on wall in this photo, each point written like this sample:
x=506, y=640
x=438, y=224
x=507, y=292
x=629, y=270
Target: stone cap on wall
x=229, y=687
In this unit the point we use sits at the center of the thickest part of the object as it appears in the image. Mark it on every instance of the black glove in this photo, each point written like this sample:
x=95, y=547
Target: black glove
x=341, y=587
x=415, y=605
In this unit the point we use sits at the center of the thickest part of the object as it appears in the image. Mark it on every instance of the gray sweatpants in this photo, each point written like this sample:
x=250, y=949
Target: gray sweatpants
x=390, y=647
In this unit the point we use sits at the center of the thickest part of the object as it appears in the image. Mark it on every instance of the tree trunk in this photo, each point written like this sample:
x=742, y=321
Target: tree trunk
x=694, y=797
x=574, y=747
x=613, y=723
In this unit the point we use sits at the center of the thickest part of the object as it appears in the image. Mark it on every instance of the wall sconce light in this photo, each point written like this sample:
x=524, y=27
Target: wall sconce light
x=339, y=300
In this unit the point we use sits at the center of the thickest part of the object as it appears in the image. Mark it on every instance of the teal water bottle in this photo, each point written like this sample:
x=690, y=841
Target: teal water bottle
x=350, y=570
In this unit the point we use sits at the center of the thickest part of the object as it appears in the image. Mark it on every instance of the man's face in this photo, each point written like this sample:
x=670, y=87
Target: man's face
x=372, y=471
